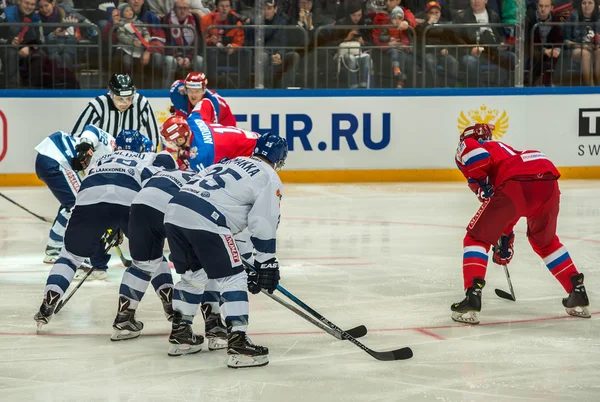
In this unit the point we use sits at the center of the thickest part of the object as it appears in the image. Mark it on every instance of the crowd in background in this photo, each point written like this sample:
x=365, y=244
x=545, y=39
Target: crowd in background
x=306, y=43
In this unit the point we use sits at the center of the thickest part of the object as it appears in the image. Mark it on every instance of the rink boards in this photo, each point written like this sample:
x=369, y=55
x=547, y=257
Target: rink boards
x=351, y=136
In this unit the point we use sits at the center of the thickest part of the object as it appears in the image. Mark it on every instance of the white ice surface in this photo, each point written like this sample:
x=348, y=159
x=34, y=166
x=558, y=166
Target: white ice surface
x=387, y=256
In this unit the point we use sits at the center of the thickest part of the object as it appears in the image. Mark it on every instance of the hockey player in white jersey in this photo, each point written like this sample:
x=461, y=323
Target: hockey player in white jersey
x=103, y=202
x=53, y=166
x=146, y=243
x=200, y=222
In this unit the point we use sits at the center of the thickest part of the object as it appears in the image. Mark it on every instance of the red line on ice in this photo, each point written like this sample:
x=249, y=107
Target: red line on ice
x=423, y=330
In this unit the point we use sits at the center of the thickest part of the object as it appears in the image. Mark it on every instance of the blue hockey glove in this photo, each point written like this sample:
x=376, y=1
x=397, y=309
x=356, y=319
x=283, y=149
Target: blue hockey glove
x=266, y=276
x=486, y=190
x=504, y=250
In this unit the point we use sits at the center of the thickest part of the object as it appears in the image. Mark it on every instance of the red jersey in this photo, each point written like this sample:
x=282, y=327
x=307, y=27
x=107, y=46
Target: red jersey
x=500, y=162
x=214, y=109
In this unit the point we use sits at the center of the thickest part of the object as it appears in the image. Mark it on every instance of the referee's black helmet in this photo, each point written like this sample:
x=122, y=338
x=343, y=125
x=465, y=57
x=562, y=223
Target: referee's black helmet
x=121, y=85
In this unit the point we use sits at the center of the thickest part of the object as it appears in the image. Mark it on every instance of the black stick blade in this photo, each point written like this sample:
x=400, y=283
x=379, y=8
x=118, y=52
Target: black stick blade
x=357, y=332
x=398, y=354
x=126, y=262
x=58, y=307
x=504, y=295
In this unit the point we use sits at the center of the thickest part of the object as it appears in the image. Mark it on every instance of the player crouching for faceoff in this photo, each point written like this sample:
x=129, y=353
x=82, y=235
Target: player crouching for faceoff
x=193, y=96
x=200, y=221
x=511, y=184
x=147, y=234
x=53, y=167
x=103, y=202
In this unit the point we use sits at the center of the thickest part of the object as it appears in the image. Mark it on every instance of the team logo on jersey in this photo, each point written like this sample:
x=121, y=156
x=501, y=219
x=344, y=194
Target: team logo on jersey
x=497, y=121
x=131, y=171
x=205, y=194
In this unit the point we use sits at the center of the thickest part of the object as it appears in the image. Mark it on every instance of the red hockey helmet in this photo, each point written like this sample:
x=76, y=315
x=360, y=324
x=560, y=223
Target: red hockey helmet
x=478, y=131
x=196, y=80
x=173, y=128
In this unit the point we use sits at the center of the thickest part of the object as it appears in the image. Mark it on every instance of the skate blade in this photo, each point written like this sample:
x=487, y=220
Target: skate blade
x=579, y=311
x=39, y=327
x=466, y=317
x=243, y=361
x=180, y=350
x=124, y=334
x=50, y=260
x=217, y=343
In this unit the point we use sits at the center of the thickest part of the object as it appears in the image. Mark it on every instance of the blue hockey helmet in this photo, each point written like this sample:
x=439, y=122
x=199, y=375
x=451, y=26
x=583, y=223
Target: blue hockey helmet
x=132, y=140
x=273, y=148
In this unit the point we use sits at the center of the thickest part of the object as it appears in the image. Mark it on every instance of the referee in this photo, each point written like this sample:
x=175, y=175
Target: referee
x=120, y=109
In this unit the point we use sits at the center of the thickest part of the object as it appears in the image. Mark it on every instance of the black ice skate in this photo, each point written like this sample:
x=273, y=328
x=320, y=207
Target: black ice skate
x=47, y=308
x=182, y=339
x=467, y=311
x=243, y=353
x=577, y=302
x=166, y=297
x=125, y=325
x=214, y=329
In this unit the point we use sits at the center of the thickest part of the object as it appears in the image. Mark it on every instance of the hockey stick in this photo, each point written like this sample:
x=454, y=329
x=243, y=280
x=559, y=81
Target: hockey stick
x=124, y=260
x=398, y=354
x=357, y=332
x=24, y=209
x=502, y=293
x=111, y=241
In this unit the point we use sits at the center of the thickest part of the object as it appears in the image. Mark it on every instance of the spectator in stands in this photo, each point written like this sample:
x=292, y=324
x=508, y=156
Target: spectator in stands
x=438, y=58
x=397, y=39
x=483, y=56
x=133, y=40
x=582, y=40
x=163, y=7
x=22, y=38
x=357, y=64
x=185, y=45
x=279, y=63
x=547, y=43
x=453, y=9
x=65, y=38
x=225, y=45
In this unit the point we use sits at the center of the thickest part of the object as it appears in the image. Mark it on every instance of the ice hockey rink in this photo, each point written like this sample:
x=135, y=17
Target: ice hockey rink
x=384, y=255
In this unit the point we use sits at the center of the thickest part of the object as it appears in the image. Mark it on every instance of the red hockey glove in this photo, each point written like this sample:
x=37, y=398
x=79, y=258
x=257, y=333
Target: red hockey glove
x=504, y=250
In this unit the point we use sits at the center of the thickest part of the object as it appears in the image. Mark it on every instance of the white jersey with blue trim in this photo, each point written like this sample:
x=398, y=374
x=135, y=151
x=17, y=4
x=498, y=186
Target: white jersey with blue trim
x=117, y=178
x=160, y=188
x=228, y=197
x=60, y=146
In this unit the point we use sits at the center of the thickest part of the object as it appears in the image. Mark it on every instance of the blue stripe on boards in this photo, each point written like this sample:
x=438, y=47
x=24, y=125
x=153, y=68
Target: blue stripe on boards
x=321, y=93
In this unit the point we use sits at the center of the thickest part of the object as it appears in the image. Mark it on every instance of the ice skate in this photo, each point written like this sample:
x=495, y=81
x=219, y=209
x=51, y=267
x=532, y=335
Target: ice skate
x=243, y=353
x=166, y=297
x=96, y=275
x=214, y=329
x=467, y=311
x=182, y=339
x=52, y=254
x=125, y=325
x=577, y=302
x=44, y=315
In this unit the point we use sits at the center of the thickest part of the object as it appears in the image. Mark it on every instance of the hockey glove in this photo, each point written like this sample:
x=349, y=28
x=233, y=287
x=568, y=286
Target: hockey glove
x=85, y=151
x=504, y=250
x=265, y=277
x=485, y=190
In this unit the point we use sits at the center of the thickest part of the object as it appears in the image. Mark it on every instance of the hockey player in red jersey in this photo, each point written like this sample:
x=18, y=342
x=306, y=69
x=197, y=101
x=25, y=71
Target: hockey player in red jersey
x=511, y=184
x=192, y=95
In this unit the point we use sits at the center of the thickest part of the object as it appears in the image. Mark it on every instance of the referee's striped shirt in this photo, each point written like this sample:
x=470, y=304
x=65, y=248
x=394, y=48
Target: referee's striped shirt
x=102, y=113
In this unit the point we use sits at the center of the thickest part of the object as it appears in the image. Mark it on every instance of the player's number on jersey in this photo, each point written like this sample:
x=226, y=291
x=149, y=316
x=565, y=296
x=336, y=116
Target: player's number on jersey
x=120, y=161
x=233, y=130
x=214, y=180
